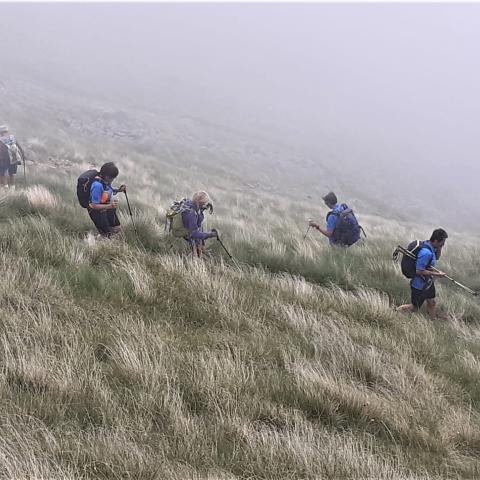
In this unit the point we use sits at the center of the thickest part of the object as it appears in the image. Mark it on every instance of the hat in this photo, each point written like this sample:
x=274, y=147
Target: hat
x=330, y=198
x=3, y=129
x=201, y=197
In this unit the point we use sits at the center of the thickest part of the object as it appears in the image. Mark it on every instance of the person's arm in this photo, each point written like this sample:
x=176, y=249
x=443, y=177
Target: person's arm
x=96, y=194
x=190, y=223
x=328, y=232
x=430, y=273
x=102, y=206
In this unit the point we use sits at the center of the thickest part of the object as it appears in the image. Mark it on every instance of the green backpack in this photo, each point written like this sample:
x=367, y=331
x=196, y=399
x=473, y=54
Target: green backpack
x=14, y=153
x=173, y=222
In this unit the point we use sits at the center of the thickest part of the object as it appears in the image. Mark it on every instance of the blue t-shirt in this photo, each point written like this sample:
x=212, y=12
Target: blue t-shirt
x=100, y=193
x=333, y=220
x=426, y=258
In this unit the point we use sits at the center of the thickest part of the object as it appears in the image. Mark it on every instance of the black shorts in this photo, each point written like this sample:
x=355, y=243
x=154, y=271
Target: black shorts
x=104, y=220
x=419, y=296
x=11, y=169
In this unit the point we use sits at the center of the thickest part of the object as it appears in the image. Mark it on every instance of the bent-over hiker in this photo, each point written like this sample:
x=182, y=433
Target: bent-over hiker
x=422, y=284
x=193, y=217
x=96, y=194
x=342, y=226
x=11, y=155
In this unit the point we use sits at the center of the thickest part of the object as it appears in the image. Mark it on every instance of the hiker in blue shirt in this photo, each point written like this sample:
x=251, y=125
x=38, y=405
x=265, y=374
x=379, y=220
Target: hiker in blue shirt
x=423, y=285
x=103, y=206
x=193, y=218
x=349, y=235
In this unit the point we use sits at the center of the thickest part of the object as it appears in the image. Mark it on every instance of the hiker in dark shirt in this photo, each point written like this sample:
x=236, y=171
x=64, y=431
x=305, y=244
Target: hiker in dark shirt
x=11, y=155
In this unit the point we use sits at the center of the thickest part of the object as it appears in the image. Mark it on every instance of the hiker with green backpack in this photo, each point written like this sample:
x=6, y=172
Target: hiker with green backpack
x=185, y=219
x=342, y=225
x=420, y=268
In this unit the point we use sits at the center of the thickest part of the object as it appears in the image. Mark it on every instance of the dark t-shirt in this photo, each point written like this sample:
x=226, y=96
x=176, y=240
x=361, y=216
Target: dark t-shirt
x=4, y=156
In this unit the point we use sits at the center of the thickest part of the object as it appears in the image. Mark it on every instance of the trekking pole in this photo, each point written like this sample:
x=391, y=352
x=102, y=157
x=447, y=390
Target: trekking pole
x=306, y=233
x=223, y=246
x=24, y=173
x=226, y=251
x=131, y=214
x=411, y=255
x=458, y=284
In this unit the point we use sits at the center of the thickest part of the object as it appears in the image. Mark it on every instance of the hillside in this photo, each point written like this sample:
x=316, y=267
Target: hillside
x=65, y=125
x=129, y=360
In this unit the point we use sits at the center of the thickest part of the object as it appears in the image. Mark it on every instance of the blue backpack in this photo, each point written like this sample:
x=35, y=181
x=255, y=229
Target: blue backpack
x=347, y=230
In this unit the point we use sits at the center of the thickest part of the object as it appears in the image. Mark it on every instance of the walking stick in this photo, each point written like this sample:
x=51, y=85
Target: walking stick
x=24, y=173
x=306, y=233
x=226, y=251
x=131, y=214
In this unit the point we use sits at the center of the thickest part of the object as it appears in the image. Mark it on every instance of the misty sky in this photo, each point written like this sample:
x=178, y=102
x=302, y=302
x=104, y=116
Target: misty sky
x=395, y=85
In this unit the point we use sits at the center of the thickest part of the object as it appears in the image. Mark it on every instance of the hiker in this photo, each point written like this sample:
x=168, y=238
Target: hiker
x=342, y=226
x=102, y=207
x=192, y=218
x=11, y=155
x=423, y=282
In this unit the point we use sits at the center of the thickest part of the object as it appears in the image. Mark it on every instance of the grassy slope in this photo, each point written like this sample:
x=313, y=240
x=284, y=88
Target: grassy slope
x=121, y=361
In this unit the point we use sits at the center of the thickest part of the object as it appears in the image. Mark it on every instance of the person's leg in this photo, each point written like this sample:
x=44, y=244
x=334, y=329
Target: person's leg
x=99, y=218
x=3, y=176
x=407, y=308
x=432, y=308
x=430, y=295
x=113, y=221
x=12, y=171
x=416, y=302
x=191, y=245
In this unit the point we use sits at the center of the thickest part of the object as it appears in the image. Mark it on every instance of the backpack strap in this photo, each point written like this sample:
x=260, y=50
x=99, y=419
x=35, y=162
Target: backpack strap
x=98, y=178
x=424, y=244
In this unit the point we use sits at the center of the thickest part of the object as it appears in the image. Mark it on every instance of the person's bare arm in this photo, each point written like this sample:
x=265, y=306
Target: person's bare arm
x=430, y=273
x=323, y=231
x=102, y=206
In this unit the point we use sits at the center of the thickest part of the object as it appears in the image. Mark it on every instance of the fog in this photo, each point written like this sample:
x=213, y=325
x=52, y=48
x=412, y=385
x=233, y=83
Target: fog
x=388, y=90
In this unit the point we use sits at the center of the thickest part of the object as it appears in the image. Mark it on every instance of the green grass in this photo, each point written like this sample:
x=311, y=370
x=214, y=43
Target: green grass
x=128, y=359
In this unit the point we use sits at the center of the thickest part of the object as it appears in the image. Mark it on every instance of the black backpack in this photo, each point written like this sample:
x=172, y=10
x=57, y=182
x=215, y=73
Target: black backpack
x=409, y=264
x=84, y=183
x=347, y=230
